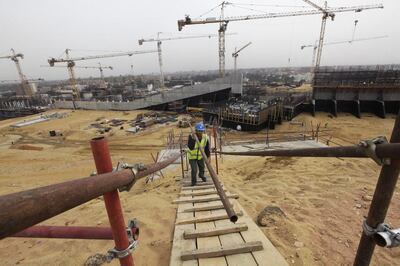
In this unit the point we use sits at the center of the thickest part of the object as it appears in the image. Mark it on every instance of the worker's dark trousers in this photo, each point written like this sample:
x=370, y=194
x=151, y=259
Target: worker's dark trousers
x=193, y=165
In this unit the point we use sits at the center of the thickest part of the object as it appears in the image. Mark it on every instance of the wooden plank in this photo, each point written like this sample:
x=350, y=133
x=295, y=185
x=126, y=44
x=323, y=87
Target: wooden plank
x=211, y=217
x=207, y=242
x=205, y=208
x=231, y=239
x=204, y=199
x=199, y=193
x=179, y=243
x=189, y=183
x=222, y=251
x=221, y=230
x=270, y=255
x=198, y=187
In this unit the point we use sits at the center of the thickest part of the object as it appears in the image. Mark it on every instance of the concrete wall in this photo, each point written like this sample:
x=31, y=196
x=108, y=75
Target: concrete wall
x=162, y=98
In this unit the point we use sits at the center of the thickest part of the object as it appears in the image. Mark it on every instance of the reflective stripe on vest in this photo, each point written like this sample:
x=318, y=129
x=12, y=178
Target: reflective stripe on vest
x=195, y=154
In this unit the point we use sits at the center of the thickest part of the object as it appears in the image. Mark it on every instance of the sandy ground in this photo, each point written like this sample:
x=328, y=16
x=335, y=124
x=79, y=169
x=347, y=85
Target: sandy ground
x=324, y=200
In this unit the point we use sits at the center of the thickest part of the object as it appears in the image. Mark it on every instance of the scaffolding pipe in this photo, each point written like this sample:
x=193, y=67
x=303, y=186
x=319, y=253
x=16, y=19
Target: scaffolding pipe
x=24, y=209
x=70, y=232
x=102, y=159
x=390, y=150
x=215, y=147
x=381, y=200
x=221, y=192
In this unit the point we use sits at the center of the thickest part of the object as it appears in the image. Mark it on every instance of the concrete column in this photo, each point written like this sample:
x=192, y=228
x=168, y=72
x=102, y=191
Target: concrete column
x=382, y=111
x=334, y=108
x=313, y=107
x=358, y=109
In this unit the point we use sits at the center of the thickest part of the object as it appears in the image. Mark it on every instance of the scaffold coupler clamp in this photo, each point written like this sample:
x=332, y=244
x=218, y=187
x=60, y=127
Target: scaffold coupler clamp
x=132, y=231
x=135, y=168
x=384, y=235
x=370, y=149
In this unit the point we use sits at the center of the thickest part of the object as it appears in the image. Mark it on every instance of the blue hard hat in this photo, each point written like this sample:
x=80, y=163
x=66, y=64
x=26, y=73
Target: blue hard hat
x=200, y=127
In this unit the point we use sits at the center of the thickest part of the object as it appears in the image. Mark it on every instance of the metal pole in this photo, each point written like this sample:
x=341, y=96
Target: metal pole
x=102, y=159
x=221, y=192
x=390, y=150
x=24, y=209
x=380, y=202
x=215, y=147
x=181, y=151
x=71, y=232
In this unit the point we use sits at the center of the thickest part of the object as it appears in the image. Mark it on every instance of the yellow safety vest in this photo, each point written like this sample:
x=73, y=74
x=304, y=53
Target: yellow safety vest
x=195, y=154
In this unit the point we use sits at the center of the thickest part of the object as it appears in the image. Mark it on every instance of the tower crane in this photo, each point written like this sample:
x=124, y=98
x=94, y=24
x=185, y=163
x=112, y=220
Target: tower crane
x=71, y=63
x=223, y=21
x=100, y=68
x=315, y=45
x=236, y=54
x=330, y=13
x=25, y=87
x=159, y=42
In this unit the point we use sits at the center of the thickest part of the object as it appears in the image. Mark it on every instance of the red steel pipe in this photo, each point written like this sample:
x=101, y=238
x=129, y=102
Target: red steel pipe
x=71, y=232
x=102, y=159
x=24, y=209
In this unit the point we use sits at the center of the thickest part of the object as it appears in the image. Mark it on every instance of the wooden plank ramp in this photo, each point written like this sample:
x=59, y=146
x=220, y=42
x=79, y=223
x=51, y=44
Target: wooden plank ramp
x=204, y=236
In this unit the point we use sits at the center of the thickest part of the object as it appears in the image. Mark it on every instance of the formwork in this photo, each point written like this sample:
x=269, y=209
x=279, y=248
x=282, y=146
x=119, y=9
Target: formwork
x=250, y=116
x=357, y=89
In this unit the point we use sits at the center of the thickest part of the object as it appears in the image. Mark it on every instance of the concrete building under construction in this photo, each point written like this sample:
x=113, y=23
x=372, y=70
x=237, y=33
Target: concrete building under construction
x=247, y=116
x=357, y=89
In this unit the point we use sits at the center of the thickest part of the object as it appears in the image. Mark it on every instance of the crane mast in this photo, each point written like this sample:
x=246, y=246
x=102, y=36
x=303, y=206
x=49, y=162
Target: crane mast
x=236, y=54
x=223, y=22
x=71, y=63
x=25, y=87
x=100, y=68
x=162, y=85
x=70, y=66
x=315, y=46
x=159, y=48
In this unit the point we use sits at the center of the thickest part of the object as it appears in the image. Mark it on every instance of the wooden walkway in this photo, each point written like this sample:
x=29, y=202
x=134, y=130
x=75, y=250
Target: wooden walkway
x=204, y=236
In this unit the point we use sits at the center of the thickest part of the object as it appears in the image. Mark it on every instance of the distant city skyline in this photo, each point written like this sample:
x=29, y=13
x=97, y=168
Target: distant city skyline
x=43, y=28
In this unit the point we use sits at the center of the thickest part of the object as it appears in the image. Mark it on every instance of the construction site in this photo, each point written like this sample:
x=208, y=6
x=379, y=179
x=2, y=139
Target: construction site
x=166, y=156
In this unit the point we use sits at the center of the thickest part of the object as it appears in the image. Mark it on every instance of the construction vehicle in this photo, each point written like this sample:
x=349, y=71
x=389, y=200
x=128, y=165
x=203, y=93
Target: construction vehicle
x=223, y=22
x=236, y=54
x=159, y=42
x=26, y=89
x=71, y=64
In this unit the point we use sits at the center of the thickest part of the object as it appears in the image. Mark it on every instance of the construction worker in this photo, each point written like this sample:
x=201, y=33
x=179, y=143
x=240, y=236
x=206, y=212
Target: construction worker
x=195, y=157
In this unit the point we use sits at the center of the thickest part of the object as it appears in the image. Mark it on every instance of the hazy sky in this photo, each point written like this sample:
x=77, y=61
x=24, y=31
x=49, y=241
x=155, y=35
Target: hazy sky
x=44, y=28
